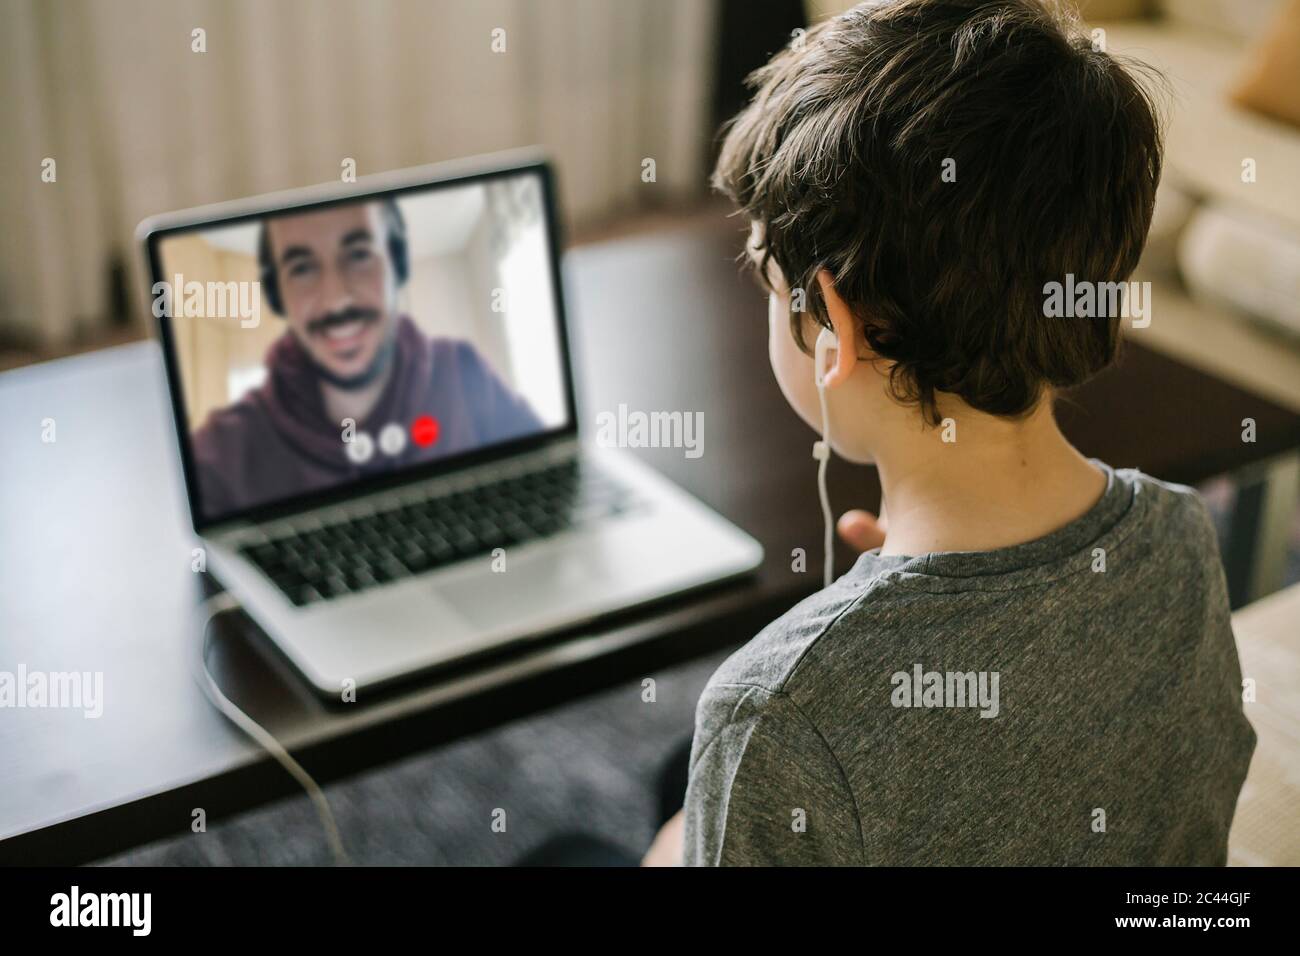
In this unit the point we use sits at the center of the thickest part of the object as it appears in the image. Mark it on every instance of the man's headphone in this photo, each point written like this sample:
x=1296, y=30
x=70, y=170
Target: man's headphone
x=397, y=254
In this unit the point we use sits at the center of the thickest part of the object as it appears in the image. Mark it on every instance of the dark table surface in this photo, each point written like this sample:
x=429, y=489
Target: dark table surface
x=95, y=550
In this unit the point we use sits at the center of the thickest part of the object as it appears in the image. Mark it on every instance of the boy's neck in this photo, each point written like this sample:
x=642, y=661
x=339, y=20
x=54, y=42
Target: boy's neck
x=1000, y=483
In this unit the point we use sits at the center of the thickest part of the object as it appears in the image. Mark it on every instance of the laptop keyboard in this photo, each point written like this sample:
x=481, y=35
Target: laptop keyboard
x=351, y=556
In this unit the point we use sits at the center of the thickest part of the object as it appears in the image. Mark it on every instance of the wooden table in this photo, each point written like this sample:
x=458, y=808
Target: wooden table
x=95, y=551
x=1266, y=829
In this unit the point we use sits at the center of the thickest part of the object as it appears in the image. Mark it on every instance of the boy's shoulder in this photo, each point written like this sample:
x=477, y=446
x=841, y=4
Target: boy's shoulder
x=776, y=659
x=884, y=605
x=1168, y=502
x=1170, y=525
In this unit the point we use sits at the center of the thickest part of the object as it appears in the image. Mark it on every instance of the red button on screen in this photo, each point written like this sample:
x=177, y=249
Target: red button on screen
x=424, y=431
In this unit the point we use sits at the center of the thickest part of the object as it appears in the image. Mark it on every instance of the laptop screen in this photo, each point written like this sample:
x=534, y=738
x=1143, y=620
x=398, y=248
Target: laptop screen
x=320, y=347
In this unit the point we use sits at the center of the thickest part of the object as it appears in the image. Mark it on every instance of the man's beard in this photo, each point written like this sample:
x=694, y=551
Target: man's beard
x=378, y=365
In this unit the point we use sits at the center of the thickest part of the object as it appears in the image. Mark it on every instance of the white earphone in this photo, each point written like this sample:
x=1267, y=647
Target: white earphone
x=826, y=343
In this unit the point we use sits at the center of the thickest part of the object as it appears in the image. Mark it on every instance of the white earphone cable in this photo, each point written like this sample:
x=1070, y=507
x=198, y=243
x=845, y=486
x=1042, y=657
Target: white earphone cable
x=209, y=610
x=822, y=452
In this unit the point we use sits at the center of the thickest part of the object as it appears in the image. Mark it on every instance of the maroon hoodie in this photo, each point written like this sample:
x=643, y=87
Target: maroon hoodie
x=276, y=442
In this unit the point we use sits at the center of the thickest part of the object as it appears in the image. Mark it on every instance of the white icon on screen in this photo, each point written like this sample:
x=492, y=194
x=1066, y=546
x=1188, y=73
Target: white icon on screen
x=361, y=448
x=392, y=439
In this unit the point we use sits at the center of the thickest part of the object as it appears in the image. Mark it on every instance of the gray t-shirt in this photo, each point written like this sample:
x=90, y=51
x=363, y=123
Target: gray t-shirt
x=1075, y=700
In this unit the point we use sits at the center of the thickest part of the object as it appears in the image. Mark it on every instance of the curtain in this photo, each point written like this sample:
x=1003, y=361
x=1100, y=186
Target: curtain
x=138, y=121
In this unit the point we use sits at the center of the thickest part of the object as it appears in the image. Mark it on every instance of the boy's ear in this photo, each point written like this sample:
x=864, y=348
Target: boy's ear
x=845, y=328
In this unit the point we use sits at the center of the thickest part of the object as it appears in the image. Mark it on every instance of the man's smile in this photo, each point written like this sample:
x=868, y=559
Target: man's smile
x=344, y=335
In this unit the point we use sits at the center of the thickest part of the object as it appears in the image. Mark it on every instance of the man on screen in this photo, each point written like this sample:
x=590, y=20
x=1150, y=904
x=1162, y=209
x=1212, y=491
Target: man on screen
x=353, y=387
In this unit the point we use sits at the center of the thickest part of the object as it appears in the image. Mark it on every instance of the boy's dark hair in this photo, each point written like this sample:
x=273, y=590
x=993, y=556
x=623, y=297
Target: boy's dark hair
x=840, y=158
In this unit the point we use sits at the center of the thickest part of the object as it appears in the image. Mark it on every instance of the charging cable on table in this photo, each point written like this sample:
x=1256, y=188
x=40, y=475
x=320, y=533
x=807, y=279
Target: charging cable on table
x=209, y=611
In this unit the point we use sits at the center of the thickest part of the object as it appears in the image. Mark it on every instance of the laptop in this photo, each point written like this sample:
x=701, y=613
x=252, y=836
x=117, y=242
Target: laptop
x=374, y=404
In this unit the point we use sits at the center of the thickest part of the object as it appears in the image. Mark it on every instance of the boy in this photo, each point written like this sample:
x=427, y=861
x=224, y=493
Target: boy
x=1034, y=662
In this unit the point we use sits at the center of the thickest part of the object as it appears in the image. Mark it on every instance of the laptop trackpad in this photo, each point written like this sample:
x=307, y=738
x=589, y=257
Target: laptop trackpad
x=529, y=587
